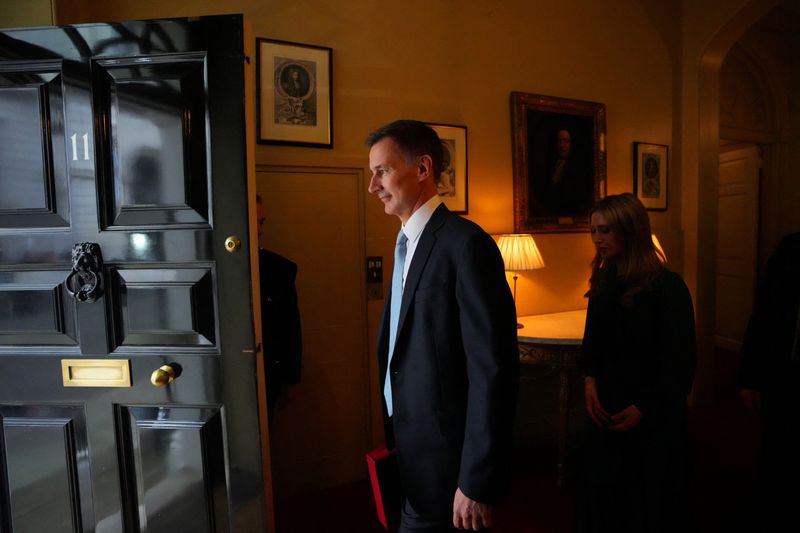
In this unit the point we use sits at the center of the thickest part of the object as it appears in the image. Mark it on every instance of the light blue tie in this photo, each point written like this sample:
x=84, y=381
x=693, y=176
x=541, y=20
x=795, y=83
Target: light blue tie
x=394, y=310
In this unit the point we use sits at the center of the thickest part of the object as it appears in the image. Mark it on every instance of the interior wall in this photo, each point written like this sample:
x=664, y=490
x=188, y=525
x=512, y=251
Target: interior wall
x=26, y=13
x=455, y=62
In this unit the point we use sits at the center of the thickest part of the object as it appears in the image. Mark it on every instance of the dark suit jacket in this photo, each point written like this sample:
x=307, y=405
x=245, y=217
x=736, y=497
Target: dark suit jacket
x=770, y=363
x=280, y=322
x=573, y=195
x=455, y=368
x=767, y=362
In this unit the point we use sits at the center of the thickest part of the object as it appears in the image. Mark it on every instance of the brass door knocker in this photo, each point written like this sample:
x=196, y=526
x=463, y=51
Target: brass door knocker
x=85, y=282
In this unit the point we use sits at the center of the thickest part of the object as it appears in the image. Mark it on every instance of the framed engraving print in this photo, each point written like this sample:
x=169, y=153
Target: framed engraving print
x=453, y=184
x=650, y=173
x=294, y=95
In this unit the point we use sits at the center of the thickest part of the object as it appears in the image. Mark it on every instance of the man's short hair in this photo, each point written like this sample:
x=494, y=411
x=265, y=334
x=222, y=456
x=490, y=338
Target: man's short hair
x=414, y=138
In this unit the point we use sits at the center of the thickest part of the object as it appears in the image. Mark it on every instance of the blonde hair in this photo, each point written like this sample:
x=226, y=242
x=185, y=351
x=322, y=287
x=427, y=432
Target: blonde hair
x=639, y=262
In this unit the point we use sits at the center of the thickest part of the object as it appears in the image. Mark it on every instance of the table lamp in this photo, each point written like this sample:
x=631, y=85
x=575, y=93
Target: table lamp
x=520, y=254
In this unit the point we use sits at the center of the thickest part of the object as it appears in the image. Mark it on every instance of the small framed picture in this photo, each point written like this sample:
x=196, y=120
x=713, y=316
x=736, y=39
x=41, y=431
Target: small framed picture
x=650, y=173
x=294, y=95
x=453, y=183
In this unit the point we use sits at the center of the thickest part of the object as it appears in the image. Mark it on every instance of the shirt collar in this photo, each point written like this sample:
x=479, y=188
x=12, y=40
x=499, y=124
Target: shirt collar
x=419, y=219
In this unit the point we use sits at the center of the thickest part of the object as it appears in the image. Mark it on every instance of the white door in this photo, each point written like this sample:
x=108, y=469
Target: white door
x=314, y=216
x=737, y=242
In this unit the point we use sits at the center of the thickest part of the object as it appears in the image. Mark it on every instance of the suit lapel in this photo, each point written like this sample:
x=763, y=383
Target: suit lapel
x=418, y=262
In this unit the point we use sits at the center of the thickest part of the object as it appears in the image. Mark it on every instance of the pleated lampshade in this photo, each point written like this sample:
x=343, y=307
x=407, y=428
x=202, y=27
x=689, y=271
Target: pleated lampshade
x=519, y=252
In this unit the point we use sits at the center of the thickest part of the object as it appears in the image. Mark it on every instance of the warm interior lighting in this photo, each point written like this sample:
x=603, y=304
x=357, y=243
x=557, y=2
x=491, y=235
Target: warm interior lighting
x=659, y=249
x=520, y=254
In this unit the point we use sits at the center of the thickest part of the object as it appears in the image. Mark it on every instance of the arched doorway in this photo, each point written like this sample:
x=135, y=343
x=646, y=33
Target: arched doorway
x=704, y=243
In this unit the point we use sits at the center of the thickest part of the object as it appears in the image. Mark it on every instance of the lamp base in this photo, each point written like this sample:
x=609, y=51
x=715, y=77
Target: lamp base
x=519, y=325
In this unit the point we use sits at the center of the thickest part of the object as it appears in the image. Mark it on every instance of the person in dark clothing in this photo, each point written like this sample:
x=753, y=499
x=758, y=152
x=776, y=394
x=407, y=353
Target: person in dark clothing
x=769, y=380
x=639, y=357
x=280, y=322
x=565, y=187
x=447, y=344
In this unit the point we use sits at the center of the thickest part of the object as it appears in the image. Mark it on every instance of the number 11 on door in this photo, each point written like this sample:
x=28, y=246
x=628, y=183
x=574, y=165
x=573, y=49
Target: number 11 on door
x=74, y=138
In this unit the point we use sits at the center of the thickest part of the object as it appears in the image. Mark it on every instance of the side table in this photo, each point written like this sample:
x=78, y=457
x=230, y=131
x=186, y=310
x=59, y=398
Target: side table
x=554, y=340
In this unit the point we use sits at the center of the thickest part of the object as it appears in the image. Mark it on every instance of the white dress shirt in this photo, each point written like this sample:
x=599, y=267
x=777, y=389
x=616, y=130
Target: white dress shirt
x=413, y=229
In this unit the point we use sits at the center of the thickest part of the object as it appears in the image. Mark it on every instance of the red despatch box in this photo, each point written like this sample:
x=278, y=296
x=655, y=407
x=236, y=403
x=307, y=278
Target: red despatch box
x=386, y=487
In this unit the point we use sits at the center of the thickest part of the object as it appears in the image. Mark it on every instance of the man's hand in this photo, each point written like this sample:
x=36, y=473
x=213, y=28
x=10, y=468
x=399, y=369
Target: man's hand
x=593, y=408
x=469, y=514
x=626, y=419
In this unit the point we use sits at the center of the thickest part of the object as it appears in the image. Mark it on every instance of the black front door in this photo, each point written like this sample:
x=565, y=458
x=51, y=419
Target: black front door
x=127, y=138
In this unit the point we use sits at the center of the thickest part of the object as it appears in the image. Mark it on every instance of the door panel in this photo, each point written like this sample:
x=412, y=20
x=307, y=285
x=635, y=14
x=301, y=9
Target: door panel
x=155, y=164
x=174, y=471
x=139, y=147
x=46, y=472
x=168, y=307
x=33, y=181
x=35, y=310
x=737, y=242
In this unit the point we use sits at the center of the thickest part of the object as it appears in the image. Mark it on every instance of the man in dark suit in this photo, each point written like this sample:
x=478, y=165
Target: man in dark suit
x=280, y=321
x=452, y=374
x=769, y=380
x=566, y=187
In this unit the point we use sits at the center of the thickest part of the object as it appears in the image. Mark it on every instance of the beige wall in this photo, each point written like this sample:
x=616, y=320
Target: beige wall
x=25, y=13
x=456, y=62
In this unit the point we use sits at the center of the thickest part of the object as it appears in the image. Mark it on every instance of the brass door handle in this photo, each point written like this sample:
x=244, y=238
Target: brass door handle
x=232, y=244
x=163, y=375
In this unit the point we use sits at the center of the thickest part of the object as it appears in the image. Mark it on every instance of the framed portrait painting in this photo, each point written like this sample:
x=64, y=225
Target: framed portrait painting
x=559, y=161
x=294, y=95
x=650, y=173
x=452, y=186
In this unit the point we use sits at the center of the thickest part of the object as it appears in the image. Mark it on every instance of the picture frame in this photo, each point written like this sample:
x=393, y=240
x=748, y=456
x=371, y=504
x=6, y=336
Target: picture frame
x=559, y=162
x=294, y=95
x=651, y=174
x=453, y=184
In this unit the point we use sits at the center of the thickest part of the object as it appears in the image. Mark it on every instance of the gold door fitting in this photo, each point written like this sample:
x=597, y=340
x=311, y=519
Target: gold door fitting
x=163, y=375
x=232, y=244
x=96, y=372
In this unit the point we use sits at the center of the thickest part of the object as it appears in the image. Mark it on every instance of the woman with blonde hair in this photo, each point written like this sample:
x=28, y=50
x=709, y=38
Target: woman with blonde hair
x=638, y=360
